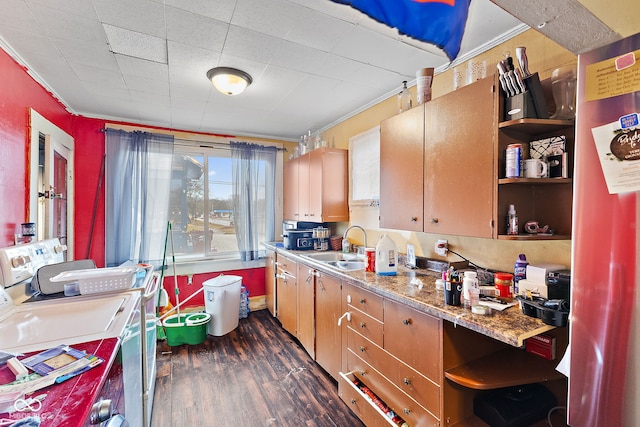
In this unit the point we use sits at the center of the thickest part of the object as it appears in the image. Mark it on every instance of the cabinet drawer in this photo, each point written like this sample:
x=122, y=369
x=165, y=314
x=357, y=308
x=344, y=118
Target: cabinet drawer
x=359, y=405
x=365, y=301
x=366, y=326
x=396, y=399
x=414, y=338
x=420, y=388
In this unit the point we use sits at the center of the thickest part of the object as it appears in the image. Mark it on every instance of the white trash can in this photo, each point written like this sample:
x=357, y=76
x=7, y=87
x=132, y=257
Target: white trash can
x=221, y=300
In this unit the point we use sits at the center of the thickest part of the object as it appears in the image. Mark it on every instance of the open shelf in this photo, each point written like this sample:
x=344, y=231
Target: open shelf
x=503, y=181
x=535, y=126
x=506, y=368
x=534, y=237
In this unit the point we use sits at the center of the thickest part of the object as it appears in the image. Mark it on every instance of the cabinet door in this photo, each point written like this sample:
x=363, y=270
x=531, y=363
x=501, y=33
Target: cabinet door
x=459, y=161
x=328, y=333
x=402, y=170
x=270, y=281
x=304, y=174
x=287, y=302
x=291, y=183
x=306, y=308
x=334, y=189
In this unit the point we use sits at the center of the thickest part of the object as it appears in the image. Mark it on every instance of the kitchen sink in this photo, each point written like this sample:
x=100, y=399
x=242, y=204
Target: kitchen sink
x=339, y=260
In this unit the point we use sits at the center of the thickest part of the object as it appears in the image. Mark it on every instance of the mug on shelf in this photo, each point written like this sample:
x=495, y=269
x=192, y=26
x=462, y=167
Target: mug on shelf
x=535, y=168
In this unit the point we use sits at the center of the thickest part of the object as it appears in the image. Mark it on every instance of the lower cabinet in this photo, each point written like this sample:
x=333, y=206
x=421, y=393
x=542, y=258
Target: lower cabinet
x=306, y=308
x=328, y=309
x=287, y=293
x=380, y=337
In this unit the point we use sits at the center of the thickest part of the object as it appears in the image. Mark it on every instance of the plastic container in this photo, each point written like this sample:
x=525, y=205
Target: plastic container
x=503, y=283
x=470, y=281
x=222, y=302
x=244, y=303
x=519, y=272
x=386, y=257
x=99, y=280
x=512, y=221
x=186, y=328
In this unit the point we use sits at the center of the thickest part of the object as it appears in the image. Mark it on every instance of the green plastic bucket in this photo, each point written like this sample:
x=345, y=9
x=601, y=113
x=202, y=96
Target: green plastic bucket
x=186, y=329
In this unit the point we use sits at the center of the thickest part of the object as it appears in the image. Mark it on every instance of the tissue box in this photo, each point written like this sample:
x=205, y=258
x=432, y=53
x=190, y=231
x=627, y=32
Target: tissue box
x=543, y=345
x=538, y=272
x=556, y=145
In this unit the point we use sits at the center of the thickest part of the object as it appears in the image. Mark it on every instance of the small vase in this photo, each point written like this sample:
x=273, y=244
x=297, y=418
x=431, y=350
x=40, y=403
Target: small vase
x=563, y=88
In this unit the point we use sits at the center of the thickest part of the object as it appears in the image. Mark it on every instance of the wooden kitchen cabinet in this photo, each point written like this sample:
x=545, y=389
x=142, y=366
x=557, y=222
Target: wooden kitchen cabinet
x=316, y=186
x=459, y=161
x=548, y=201
x=436, y=164
x=306, y=308
x=402, y=170
x=287, y=293
x=270, y=281
x=328, y=309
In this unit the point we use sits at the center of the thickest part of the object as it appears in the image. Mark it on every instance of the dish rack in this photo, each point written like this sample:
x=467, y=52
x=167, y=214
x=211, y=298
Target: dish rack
x=100, y=280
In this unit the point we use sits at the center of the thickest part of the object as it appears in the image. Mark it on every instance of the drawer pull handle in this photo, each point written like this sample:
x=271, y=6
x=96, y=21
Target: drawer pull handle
x=362, y=349
x=362, y=324
x=406, y=411
x=406, y=321
x=414, y=219
x=362, y=300
x=363, y=373
x=434, y=220
x=353, y=401
x=406, y=381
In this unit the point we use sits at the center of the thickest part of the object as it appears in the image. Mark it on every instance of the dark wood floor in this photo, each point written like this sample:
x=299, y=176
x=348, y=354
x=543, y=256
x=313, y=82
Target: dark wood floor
x=257, y=375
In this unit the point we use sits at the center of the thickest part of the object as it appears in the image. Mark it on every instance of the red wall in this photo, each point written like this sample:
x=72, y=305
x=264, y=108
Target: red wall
x=18, y=93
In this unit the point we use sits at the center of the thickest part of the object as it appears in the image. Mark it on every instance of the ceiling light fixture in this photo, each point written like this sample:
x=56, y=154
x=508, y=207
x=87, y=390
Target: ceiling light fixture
x=229, y=81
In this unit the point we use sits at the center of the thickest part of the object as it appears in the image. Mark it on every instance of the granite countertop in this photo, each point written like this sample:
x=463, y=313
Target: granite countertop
x=510, y=326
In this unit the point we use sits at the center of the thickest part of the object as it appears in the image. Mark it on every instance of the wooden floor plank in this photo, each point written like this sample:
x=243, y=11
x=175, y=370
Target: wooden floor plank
x=257, y=375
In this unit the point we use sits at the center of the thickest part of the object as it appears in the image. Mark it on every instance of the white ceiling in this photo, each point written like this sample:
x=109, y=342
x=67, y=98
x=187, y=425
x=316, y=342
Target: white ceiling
x=313, y=62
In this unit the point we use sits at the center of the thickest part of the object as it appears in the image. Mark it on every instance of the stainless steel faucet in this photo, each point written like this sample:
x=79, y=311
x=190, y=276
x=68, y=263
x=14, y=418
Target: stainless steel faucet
x=344, y=236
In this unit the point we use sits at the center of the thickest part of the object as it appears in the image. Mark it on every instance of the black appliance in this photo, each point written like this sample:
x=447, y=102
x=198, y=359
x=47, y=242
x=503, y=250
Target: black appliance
x=298, y=235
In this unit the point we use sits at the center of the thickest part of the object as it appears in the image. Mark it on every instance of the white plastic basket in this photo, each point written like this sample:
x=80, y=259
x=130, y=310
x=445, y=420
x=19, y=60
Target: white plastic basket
x=100, y=280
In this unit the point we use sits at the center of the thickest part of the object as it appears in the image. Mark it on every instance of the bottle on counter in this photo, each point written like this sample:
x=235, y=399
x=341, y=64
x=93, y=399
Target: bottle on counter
x=386, y=257
x=346, y=245
x=519, y=272
x=470, y=288
x=512, y=221
x=404, y=98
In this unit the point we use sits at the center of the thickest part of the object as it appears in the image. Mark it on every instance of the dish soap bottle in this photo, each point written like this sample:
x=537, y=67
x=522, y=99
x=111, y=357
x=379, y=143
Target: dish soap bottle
x=404, y=98
x=519, y=271
x=386, y=257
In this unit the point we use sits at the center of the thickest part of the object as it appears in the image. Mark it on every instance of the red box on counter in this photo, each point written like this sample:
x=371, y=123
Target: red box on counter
x=542, y=345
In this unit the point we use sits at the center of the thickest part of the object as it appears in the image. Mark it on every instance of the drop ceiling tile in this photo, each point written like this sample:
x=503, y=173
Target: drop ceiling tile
x=142, y=16
x=195, y=30
x=249, y=44
x=86, y=52
x=297, y=57
x=275, y=18
x=222, y=10
x=21, y=17
x=252, y=66
x=91, y=74
x=341, y=11
x=135, y=44
x=318, y=31
x=63, y=25
x=142, y=68
x=159, y=88
x=185, y=57
x=82, y=8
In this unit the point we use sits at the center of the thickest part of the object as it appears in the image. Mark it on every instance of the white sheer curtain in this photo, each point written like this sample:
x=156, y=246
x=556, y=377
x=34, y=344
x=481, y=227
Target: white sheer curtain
x=254, y=177
x=138, y=177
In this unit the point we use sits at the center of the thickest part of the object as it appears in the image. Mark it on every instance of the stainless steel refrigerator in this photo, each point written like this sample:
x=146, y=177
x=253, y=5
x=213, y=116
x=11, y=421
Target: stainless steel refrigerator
x=604, y=359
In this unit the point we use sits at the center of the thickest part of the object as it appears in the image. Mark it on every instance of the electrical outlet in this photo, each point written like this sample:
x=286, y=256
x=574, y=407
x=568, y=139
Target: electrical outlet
x=442, y=247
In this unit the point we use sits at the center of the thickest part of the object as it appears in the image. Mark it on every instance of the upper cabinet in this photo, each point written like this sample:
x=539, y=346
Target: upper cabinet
x=459, y=161
x=437, y=164
x=402, y=170
x=316, y=186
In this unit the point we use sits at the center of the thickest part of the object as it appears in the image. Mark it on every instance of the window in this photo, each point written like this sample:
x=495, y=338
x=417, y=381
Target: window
x=201, y=207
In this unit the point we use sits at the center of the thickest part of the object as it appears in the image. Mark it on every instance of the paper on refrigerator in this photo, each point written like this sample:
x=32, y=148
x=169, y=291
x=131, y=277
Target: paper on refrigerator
x=619, y=153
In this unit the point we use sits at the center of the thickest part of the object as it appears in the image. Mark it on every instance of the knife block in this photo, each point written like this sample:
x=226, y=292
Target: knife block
x=519, y=106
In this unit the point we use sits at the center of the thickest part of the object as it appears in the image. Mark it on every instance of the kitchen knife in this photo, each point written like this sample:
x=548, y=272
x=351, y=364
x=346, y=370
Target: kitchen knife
x=503, y=72
x=511, y=77
x=503, y=83
x=521, y=54
x=516, y=72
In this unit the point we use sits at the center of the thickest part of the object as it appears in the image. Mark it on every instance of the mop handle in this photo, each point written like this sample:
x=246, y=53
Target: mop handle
x=183, y=302
x=175, y=276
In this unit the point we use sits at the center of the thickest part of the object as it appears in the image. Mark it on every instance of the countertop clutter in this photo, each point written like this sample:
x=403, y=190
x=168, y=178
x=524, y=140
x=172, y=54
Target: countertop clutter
x=510, y=326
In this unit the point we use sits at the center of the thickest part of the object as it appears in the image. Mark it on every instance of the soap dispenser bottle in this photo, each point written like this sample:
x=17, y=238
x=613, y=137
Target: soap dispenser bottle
x=512, y=221
x=404, y=98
